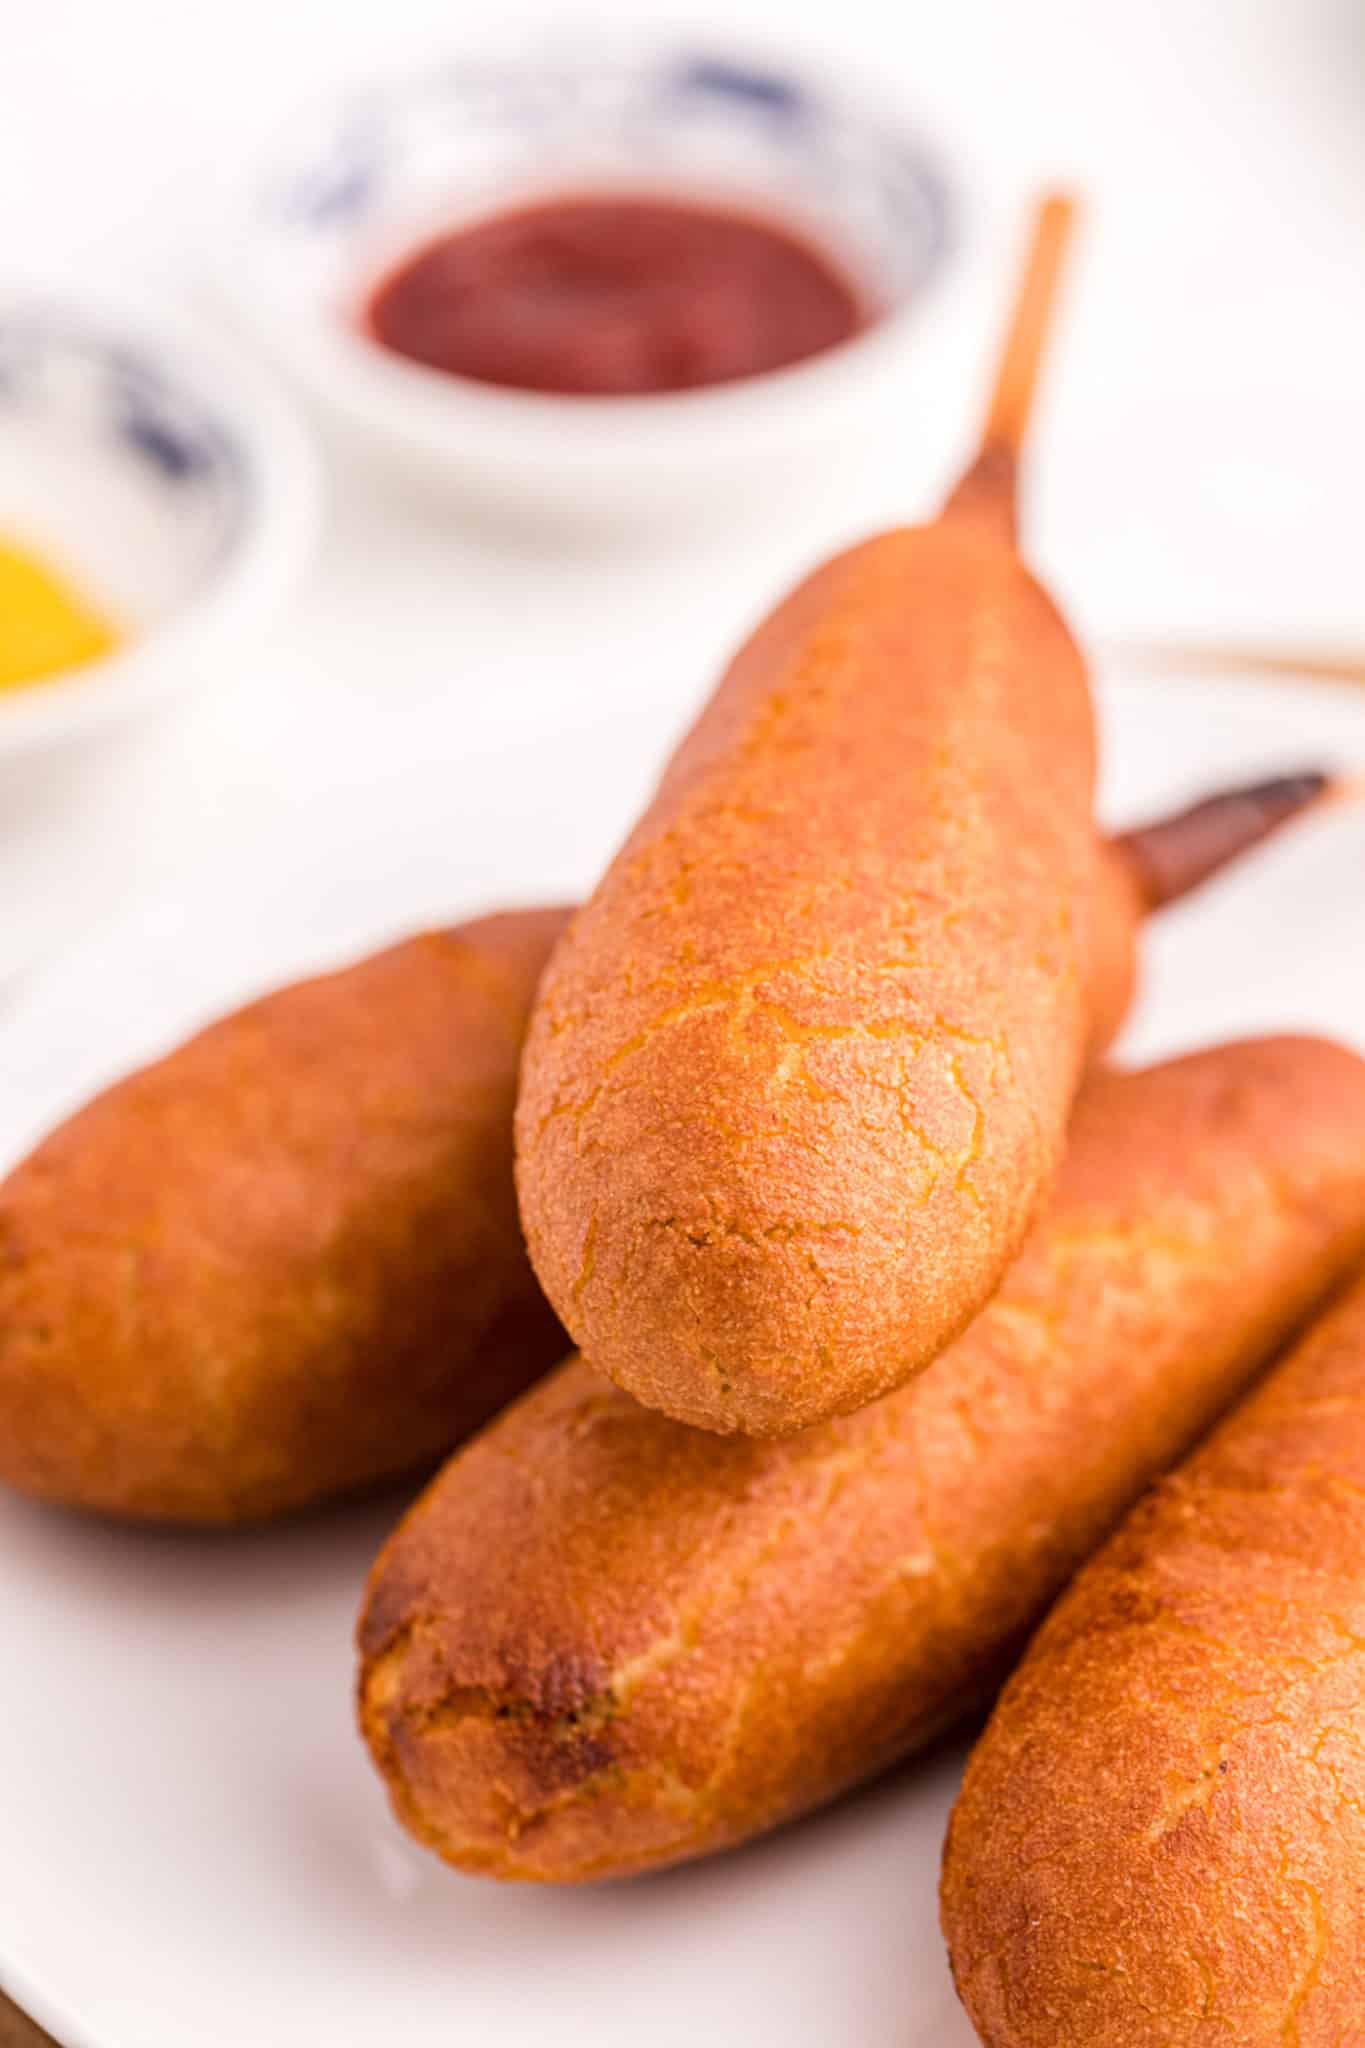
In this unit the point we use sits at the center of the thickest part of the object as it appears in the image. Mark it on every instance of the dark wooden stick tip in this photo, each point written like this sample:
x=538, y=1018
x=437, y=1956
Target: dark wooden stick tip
x=1173, y=855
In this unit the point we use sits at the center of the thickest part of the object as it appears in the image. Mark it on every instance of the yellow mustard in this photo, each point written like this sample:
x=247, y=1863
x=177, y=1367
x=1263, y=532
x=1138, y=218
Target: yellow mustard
x=45, y=624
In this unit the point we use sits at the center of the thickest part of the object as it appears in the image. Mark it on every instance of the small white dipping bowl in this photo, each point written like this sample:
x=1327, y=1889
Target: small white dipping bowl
x=364, y=179
x=170, y=486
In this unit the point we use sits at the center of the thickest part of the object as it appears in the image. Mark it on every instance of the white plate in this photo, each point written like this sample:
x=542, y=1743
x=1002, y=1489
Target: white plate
x=194, y=1852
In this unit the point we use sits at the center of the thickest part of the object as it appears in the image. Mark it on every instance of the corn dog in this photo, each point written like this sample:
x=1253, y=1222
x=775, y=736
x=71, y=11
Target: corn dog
x=603, y=1641
x=1160, y=1839
x=416, y=995
x=801, y=1068
x=284, y=1261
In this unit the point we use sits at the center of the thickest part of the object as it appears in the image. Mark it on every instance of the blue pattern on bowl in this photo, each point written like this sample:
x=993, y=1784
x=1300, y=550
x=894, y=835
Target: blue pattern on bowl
x=132, y=403
x=467, y=127
x=733, y=81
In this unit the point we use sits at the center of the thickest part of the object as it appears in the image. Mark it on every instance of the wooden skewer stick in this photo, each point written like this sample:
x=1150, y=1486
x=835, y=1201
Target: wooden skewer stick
x=987, y=492
x=1348, y=666
x=1172, y=855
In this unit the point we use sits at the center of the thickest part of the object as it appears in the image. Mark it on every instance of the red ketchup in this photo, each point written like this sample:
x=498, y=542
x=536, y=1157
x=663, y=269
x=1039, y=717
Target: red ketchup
x=614, y=296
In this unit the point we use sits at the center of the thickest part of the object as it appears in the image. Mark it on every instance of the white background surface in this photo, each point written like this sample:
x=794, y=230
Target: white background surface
x=185, y=1810
x=1199, y=455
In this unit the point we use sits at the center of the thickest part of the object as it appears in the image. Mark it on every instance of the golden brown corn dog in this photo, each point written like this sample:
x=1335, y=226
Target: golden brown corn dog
x=90, y=1383
x=1160, y=1841
x=284, y=1261
x=602, y=1641
x=800, y=1069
